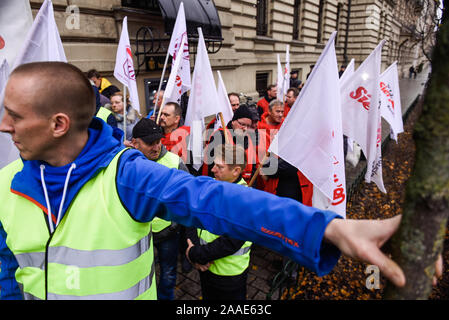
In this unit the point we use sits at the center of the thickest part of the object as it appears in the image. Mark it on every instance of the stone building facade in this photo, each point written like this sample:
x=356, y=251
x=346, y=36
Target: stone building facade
x=253, y=32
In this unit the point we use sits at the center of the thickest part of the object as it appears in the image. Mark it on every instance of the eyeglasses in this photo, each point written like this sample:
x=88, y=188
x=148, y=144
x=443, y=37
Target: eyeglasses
x=245, y=125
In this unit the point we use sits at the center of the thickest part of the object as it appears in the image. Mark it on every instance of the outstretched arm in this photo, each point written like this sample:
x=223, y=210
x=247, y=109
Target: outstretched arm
x=362, y=239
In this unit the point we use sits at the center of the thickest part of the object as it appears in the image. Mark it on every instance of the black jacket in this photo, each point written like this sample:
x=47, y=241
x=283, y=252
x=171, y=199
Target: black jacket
x=221, y=247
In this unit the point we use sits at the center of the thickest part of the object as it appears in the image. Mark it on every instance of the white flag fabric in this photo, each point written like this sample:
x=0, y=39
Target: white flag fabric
x=223, y=102
x=202, y=100
x=390, y=100
x=280, y=80
x=15, y=22
x=4, y=74
x=9, y=151
x=311, y=137
x=286, y=83
x=346, y=74
x=43, y=42
x=360, y=107
x=349, y=71
x=124, y=66
x=173, y=89
x=179, y=33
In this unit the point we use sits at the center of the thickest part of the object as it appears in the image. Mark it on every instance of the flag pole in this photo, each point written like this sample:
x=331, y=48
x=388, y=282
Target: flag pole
x=124, y=112
x=160, y=110
x=162, y=80
x=253, y=179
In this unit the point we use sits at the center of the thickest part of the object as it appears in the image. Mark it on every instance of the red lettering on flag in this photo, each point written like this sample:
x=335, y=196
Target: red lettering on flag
x=362, y=96
x=2, y=43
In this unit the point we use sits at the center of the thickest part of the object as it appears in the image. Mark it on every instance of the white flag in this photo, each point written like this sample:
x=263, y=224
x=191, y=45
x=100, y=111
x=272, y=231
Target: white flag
x=311, y=137
x=202, y=100
x=15, y=22
x=124, y=66
x=173, y=89
x=9, y=151
x=223, y=102
x=390, y=100
x=179, y=33
x=286, y=83
x=43, y=42
x=348, y=71
x=360, y=107
x=280, y=80
x=347, y=74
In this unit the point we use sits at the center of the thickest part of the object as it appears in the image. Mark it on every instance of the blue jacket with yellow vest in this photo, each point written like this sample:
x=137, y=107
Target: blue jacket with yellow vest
x=147, y=189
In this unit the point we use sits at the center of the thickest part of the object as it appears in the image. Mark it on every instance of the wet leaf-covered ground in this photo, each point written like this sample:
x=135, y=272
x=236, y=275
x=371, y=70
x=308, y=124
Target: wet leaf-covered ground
x=348, y=280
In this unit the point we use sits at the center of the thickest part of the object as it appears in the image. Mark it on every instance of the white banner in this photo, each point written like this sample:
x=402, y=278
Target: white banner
x=173, y=89
x=390, y=100
x=15, y=22
x=360, y=107
x=223, y=102
x=179, y=33
x=43, y=42
x=9, y=151
x=286, y=83
x=124, y=66
x=311, y=137
x=202, y=100
x=280, y=79
x=349, y=71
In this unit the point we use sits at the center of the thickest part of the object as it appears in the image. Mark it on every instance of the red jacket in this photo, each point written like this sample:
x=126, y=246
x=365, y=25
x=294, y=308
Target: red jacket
x=264, y=104
x=306, y=188
x=176, y=141
x=287, y=109
x=270, y=129
x=254, y=154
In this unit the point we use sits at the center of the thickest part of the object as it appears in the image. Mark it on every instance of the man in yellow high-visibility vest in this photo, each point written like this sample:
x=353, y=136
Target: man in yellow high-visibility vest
x=222, y=261
x=166, y=234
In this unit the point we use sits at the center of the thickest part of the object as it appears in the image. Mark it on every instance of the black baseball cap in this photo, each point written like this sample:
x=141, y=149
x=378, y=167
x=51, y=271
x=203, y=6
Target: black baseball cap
x=147, y=130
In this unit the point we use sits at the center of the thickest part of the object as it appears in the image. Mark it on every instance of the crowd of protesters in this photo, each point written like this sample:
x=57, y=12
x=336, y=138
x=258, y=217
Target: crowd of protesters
x=116, y=203
x=222, y=261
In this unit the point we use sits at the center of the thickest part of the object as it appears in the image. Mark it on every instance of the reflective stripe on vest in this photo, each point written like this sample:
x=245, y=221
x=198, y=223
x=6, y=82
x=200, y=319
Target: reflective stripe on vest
x=103, y=113
x=231, y=265
x=170, y=160
x=96, y=252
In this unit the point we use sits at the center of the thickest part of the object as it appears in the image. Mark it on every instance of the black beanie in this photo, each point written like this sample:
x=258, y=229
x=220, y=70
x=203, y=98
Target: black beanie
x=242, y=112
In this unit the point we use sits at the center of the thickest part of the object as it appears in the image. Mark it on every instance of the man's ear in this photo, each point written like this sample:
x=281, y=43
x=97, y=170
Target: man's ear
x=60, y=124
x=236, y=171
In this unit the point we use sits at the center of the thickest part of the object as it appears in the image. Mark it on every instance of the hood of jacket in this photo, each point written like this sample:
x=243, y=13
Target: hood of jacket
x=103, y=144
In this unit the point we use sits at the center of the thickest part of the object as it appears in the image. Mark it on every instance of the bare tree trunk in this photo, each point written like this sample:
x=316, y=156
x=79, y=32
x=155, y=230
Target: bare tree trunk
x=420, y=237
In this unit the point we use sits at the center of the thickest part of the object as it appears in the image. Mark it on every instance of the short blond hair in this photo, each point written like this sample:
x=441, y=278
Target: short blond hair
x=232, y=155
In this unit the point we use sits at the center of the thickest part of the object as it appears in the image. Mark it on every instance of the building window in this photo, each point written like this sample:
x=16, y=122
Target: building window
x=320, y=30
x=262, y=18
x=152, y=5
x=262, y=82
x=296, y=19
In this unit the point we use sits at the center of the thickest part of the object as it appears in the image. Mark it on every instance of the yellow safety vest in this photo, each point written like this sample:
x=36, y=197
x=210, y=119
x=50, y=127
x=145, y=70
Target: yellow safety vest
x=231, y=265
x=98, y=251
x=169, y=160
x=103, y=114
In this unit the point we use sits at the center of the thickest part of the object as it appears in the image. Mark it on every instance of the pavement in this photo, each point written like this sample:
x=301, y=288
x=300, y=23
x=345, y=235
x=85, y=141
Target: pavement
x=266, y=264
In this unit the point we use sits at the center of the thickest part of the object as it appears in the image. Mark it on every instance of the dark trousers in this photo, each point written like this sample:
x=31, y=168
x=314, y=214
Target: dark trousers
x=167, y=256
x=214, y=287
